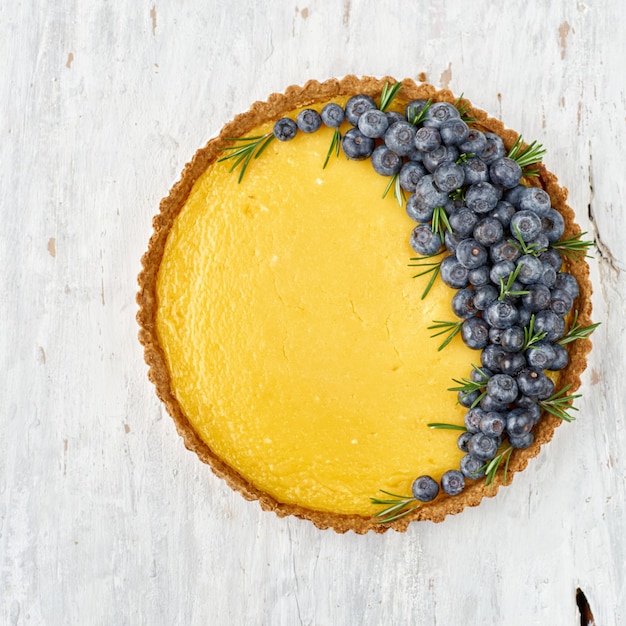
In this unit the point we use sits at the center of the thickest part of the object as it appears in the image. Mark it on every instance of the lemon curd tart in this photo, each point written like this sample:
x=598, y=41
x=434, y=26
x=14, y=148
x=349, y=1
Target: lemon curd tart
x=286, y=331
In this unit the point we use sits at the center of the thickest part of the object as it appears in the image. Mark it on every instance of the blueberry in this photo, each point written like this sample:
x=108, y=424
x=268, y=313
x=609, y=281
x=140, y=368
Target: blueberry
x=530, y=269
x=512, y=339
x=332, y=115
x=441, y=154
x=462, y=441
x=453, y=132
x=309, y=121
x=463, y=303
x=561, y=302
x=471, y=254
x=451, y=241
x=468, y=398
x=524, y=316
x=410, y=174
x=419, y=211
x=489, y=404
x=440, y=112
x=475, y=333
x=504, y=251
x=453, y=482
x=476, y=171
x=384, y=161
x=400, y=137
x=527, y=224
x=548, y=275
x=488, y=231
x=463, y=222
x=540, y=355
x=424, y=241
x=453, y=273
x=552, y=257
x=285, y=129
x=493, y=424
x=427, y=139
x=471, y=467
x=472, y=419
x=513, y=195
x=484, y=295
x=552, y=225
x=561, y=358
x=550, y=323
x=502, y=388
x=413, y=109
x=373, y=123
x=475, y=142
x=481, y=197
x=428, y=193
x=525, y=441
x=537, y=298
x=356, y=106
x=539, y=244
x=531, y=381
x=394, y=116
x=503, y=212
x=482, y=447
x=568, y=283
x=501, y=314
x=512, y=363
x=534, y=199
x=518, y=422
x=493, y=150
x=501, y=270
x=479, y=276
x=491, y=357
x=356, y=145
x=505, y=172
x=425, y=489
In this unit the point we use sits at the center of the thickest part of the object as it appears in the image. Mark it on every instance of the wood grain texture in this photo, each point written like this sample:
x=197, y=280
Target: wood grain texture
x=105, y=518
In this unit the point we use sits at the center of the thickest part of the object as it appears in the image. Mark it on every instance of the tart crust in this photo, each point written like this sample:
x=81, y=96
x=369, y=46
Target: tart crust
x=261, y=112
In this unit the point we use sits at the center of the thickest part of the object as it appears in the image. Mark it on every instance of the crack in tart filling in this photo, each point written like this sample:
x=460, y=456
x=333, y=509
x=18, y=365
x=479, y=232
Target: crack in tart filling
x=366, y=303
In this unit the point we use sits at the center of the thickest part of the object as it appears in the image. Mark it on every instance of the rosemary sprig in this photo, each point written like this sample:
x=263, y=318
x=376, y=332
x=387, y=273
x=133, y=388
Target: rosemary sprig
x=451, y=329
x=467, y=386
x=530, y=336
x=523, y=246
x=388, y=94
x=335, y=144
x=506, y=287
x=444, y=426
x=463, y=108
x=440, y=222
x=398, y=192
x=576, y=331
x=421, y=116
x=491, y=468
x=457, y=193
x=396, y=507
x=559, y=404
x=431, y=268
x=574, y=247
x=529, y=155
x=245, y=149
x=463, y=158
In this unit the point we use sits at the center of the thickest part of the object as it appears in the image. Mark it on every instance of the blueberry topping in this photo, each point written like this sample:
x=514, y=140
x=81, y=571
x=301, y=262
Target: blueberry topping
x=285, y=129
x=309, y=121
x=475, y=333
x=505, y=172
x=384, y=161
x=356, y=106
x=400, y=137
x=476, y=171
x=471, y=467
x=332, y=115
x=410, y=174
x=471, y=254
x=425, y=489
x=356, y=145
x=482, y=446
x=448, y=176
x=453, y=132
x=373, y=123
x=427, y=139
x=481, y=197
x=424, y=240
x=534, y=199
x=453, y=273
x=453, y=482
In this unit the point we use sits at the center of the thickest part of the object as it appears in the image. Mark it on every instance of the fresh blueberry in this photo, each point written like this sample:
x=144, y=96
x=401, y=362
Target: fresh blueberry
x=503, y=212
x=561, y=357
x=309, y=121
x=453, y=132
x=410, y=174
x=548, y=276
x=531, y=381
x=550, y=323
x=552, y=225
x=384, y=161
x=479, y=276
x=471, y=254
x=504, y=251
x=418, y=210
x=501, y=270
x=540, y=355
x=427, y=139
x=488, y=231
x=356, y=106
x=491, y=357
x=539, y=244
x=442, y=154
x=512, y=363
x=493, y=150
x=552, y=257
x=512, y=339
x=285, y=129
x=476, y=171
x=332, y=115
x=530, y=269
x=524, y=316
x=475, y=333
x=428, y=193
x=482, y=447
x=501, y=314
x=413, y=110
x=534, y=199
x=451, y=241
x=489, y=404
x=475, y=143
x=518, y=423
x=481, y=197
x=463, y=303
x=471, y=467
x=453, y=273
x=373, y=123
x=561, y=302
x=468, y=398
x=400, y=137
x=440, y=112
x=462, y=441
x=394, y=116
x=493, y=424
x=356, y=145
x=463, y=222
x=472, y=419
x=484, y=295
x=424, y=241
x=505, y=172
x=502, y=388
x=425, y=489
x=568, y=283
x=527, y=224
x=525, y=441
x=453, y=482
x=513, y=195
x=537, y=298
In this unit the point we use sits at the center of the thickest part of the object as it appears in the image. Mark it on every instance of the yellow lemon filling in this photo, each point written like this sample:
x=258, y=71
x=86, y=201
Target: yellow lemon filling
x=295, y=335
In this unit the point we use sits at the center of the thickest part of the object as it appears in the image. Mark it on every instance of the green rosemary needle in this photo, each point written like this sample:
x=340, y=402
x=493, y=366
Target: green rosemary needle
x=530, y=336
x=463, y=108
x=523, y=246
x=466, y=386
x=577, y=331
x=529, y=155
x=421, y=116
x=444, y=426
x=451, y=329
x=559, y=404
x=431, y=268
x=388, y=94
x=574, y=247
x=398, y=192
x=396, y=507
x=244, y=150
x=335, y=144
x=506, y=287
x=440, y=222
x=491, y=468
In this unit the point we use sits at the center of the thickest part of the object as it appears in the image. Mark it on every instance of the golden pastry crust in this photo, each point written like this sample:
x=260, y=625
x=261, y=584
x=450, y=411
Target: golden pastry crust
x=261, y=112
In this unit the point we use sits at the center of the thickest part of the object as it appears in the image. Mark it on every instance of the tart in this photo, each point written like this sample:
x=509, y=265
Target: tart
x=285, y=330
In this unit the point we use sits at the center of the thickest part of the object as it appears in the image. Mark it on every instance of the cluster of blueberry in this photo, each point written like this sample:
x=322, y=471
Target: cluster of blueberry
x=497, y=238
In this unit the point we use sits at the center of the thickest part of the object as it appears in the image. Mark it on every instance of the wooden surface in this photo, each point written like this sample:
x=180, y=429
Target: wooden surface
x=104, y=517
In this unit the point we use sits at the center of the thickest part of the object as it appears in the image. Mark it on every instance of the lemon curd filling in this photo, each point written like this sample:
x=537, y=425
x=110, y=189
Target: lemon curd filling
x=295, y=336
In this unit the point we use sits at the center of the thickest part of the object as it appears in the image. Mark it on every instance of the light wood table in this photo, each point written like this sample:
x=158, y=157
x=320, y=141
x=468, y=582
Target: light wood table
x=105, y=518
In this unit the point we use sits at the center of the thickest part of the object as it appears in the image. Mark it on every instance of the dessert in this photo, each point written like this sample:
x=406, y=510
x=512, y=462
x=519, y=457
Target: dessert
x=287, y=335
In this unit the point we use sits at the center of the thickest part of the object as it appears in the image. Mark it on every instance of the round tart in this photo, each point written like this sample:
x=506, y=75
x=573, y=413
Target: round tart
x=287, y=333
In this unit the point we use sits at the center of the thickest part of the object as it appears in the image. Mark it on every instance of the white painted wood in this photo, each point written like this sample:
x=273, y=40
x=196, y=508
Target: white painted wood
x=104, y=517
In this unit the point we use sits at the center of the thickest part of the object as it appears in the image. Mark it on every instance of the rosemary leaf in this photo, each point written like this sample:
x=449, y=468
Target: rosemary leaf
x=443, y=426
x=244, y=149
x=388, y=94
x=335, y=144
x=574, y=247
x=577, y=331
x=451, y=329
